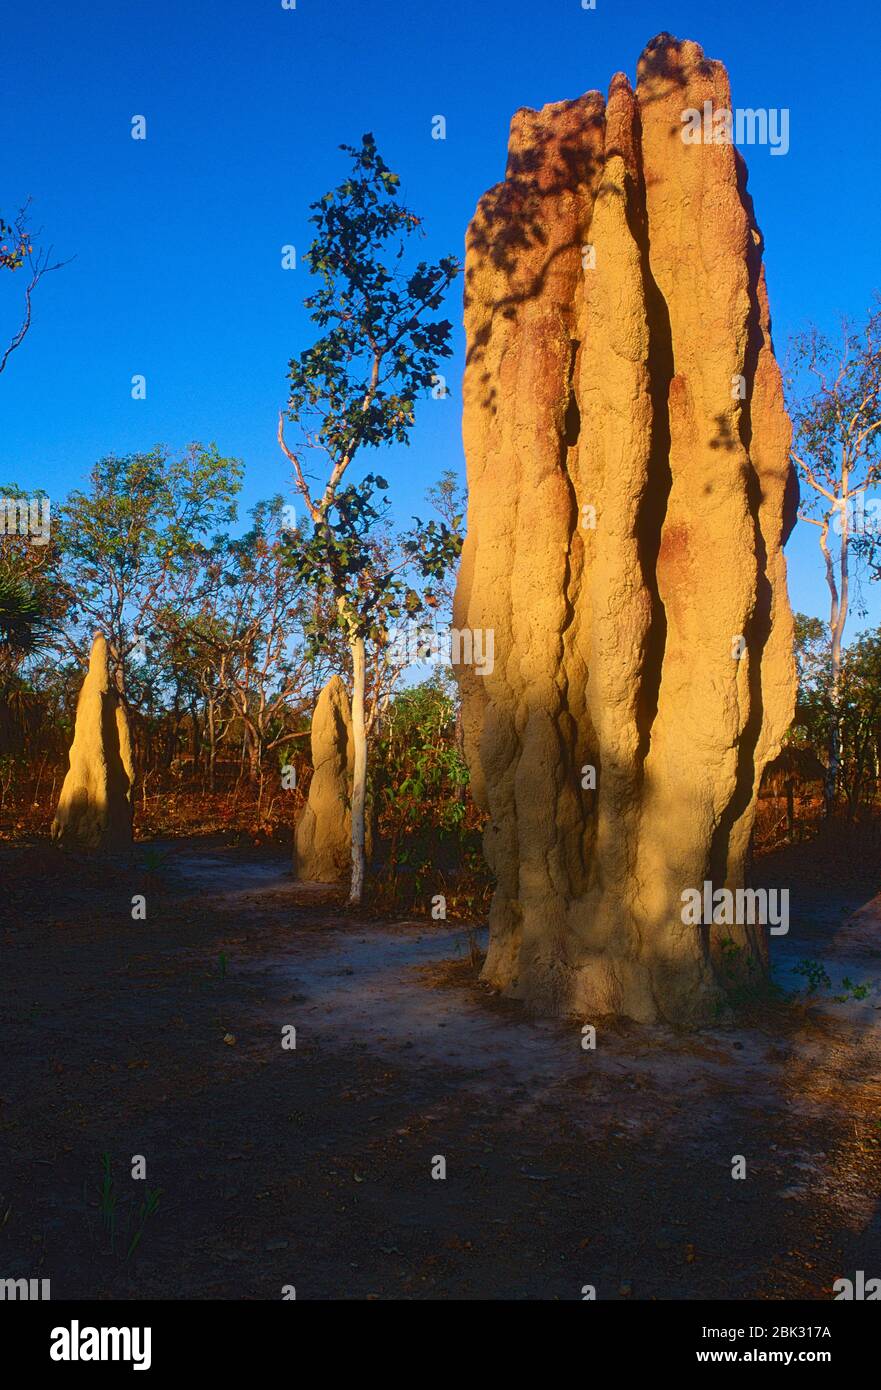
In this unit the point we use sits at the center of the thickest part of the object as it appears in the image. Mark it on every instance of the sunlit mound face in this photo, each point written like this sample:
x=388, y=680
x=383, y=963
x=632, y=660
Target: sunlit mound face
x=94, y=809
x=623, y=417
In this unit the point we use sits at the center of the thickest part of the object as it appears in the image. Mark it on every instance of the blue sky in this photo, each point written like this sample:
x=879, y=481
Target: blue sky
x=178, y=238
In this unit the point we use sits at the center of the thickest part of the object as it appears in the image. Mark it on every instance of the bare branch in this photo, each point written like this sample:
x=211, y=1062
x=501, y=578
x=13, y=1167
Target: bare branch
x=301, y=481
x=39, y=264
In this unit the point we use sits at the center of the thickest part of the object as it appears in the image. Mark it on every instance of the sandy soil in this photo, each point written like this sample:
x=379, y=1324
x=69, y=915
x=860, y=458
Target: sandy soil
x=313, y=1167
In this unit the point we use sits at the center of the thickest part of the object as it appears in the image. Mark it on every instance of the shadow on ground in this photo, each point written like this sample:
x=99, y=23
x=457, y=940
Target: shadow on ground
x=313, y=1167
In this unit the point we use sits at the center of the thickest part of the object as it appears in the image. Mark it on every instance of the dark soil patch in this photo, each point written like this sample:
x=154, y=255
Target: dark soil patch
x=313, y=1166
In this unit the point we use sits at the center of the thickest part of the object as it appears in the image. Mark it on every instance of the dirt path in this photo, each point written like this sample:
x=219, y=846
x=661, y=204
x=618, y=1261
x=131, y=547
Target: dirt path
x=313, y=1167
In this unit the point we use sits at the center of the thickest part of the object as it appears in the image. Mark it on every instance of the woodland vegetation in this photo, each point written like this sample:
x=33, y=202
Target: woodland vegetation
x=222, y=627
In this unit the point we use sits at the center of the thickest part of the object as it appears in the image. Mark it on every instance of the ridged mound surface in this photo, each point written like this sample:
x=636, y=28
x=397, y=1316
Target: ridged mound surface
x=323, y=850
x=95, y=806
x=630, y=491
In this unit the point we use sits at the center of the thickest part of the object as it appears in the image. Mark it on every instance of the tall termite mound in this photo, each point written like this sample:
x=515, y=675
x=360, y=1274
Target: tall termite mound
x=323, y=843
x=95, y=807
x=630, y=492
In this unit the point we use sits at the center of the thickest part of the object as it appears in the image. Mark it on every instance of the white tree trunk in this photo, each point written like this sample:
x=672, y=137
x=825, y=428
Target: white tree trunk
x=837, y=618
x=359, y=777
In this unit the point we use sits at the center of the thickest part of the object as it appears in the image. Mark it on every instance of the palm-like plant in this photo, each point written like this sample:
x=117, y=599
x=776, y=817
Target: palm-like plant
x=22, y=620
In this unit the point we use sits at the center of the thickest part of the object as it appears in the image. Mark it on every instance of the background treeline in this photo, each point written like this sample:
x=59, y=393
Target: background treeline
x=212, y=631
x=222, y=629
x=846, y=707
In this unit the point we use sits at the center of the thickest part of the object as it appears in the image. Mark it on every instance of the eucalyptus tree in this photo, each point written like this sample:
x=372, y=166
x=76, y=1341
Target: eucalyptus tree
x=354, y=390
x=128, y=535
x=834, y=400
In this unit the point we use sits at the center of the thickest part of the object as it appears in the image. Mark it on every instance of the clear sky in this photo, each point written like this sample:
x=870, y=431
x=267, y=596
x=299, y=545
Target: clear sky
x=178, y=238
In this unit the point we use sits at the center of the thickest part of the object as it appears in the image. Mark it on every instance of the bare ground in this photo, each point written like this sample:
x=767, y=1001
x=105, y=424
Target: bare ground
x=313, y=1167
